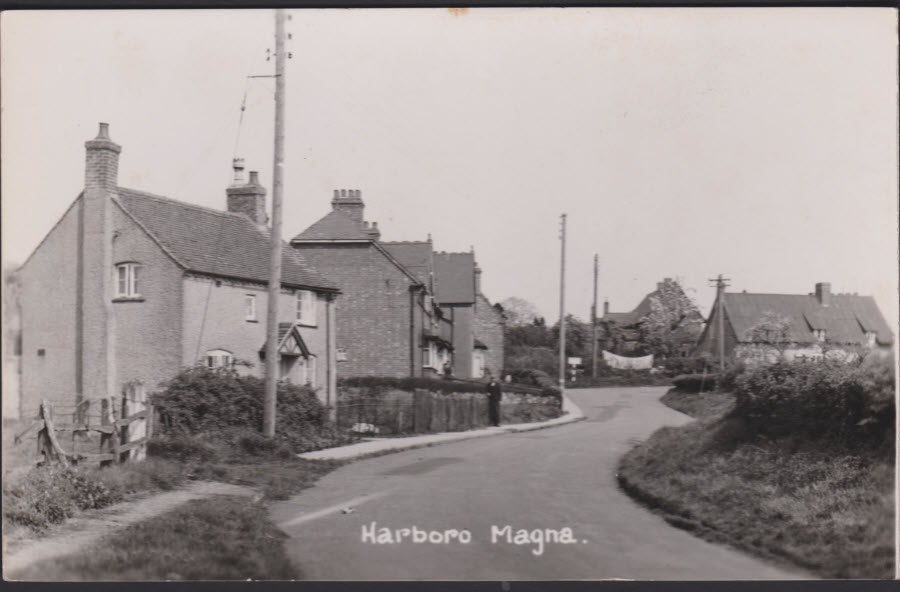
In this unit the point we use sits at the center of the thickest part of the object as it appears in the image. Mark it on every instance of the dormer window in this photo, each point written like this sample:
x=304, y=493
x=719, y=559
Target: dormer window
x=127, y=280
x=871, y=337
x=819, y=334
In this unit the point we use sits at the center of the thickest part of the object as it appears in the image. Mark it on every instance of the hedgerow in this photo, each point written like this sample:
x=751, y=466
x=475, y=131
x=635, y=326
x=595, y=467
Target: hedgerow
x=375, y=384
x=827, y=400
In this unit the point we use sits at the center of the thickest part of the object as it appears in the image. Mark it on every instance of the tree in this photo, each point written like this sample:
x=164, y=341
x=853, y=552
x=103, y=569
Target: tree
x=578, y=337
x=672, y=322
x=771, y=333
x=519, y=312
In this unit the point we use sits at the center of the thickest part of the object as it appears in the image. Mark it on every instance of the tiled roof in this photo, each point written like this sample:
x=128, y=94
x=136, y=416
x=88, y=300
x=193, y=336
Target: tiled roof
x=415, y=256
x=335, y=225
x=455, y=277
x=214, y=242
x=620, y=318
x=845, y=320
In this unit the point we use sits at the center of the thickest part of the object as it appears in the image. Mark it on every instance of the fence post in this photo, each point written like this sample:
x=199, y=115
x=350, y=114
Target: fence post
x=134, y=401
x=51, y=442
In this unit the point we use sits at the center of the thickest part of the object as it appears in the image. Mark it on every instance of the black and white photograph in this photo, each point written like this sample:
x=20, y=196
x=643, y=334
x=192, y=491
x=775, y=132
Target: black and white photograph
x=449, y=294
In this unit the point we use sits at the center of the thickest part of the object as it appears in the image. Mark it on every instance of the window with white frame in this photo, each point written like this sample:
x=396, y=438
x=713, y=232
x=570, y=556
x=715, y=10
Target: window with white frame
x=250, y=307
x=306, y=307
x=871, y=337
x=127, y=283
x=819, y=334
x=219, y=358
x=429, y=355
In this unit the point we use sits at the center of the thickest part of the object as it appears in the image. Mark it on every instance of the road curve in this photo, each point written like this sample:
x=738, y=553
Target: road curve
x=546, y=481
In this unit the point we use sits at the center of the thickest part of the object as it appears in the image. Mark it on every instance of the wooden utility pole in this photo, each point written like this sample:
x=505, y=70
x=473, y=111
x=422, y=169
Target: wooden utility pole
x=720, y=283
x=594, y=325
x=562, y=305
x=271, y=394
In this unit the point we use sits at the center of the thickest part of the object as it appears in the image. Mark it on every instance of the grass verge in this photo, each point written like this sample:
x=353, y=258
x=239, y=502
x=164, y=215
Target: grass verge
x=820, y=507
x=218, y=538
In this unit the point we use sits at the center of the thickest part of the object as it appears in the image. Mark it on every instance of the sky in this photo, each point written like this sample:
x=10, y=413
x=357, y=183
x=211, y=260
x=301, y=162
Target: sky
x=756, y=143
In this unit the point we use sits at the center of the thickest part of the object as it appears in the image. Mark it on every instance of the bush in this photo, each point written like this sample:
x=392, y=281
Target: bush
x=695, y=383
x=679, y=366
x=826, y=400
x=203, y=407
x=49, y=495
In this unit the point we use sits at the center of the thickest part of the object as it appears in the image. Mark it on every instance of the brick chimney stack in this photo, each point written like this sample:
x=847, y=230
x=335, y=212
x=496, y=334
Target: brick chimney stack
x=823, y=293
x=477, y=279
x=95, y=346
x=349, y=201
x=247, y=198
x=102, y=167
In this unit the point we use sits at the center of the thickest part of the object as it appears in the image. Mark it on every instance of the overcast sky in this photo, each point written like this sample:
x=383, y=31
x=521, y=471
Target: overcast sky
x=756, y=143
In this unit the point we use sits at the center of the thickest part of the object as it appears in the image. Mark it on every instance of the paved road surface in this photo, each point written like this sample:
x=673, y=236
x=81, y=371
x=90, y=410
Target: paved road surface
x=548, y=479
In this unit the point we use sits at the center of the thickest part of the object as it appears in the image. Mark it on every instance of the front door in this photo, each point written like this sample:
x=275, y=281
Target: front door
x=287, y=368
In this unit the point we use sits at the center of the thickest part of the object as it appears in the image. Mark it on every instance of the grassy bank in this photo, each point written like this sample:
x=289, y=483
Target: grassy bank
x=221, y=538
x=818, y=504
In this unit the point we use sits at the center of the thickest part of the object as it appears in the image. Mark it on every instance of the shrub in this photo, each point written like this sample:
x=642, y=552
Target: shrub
x=202, y=406
x=51, y=494
x=679, y=366
x=827, y=400
x=695, y=383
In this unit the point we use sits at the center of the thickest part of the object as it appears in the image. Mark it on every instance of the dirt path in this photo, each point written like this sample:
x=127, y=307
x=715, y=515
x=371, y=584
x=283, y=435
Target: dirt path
x=78, y=533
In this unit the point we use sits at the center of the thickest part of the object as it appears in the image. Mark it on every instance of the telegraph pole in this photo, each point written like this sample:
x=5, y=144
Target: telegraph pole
x=721, y=283
x=562, y=305
x=594, y=324
x=271, y=393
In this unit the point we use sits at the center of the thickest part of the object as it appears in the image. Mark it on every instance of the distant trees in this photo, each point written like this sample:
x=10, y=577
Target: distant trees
x=519, y=312
x=673, y=322
x=772, y=333
x=529, y=344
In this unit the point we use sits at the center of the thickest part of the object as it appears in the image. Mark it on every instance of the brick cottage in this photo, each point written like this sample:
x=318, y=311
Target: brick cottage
x=129, y=285
x=405, y=310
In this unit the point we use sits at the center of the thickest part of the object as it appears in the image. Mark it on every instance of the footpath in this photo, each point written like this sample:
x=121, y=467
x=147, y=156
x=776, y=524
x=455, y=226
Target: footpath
x=78, y=533
x=372, y=446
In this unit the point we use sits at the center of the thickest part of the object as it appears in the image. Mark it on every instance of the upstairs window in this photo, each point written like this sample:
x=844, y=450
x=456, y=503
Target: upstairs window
x=219, y=358
x=871, y=336
x=306, y=307
x=127, y=280
x=250, y=307
x=819, y=334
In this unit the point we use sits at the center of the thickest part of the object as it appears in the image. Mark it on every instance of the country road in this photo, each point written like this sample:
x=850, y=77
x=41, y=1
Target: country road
x=557, y=478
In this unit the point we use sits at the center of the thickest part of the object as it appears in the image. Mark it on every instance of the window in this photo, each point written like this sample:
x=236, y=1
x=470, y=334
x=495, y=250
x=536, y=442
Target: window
x=341, y=354
x=219, y=358
x=306, y=307
x=820, y=334
x=127, y=285
x=870, y=338
x=428, y=356
x=250, y=305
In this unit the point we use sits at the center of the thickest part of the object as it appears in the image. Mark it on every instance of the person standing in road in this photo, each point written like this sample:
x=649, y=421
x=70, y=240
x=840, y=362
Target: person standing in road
x=494, y=396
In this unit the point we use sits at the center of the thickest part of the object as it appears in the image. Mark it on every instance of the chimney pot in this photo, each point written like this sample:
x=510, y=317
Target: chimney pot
x=606, y=307
x=103, y=134
x=343, y=193
x=254, y=178
x=238, y=166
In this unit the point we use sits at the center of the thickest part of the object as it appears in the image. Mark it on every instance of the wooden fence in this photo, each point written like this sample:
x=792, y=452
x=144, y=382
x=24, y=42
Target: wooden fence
x=395, y=412
x=124, y=425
